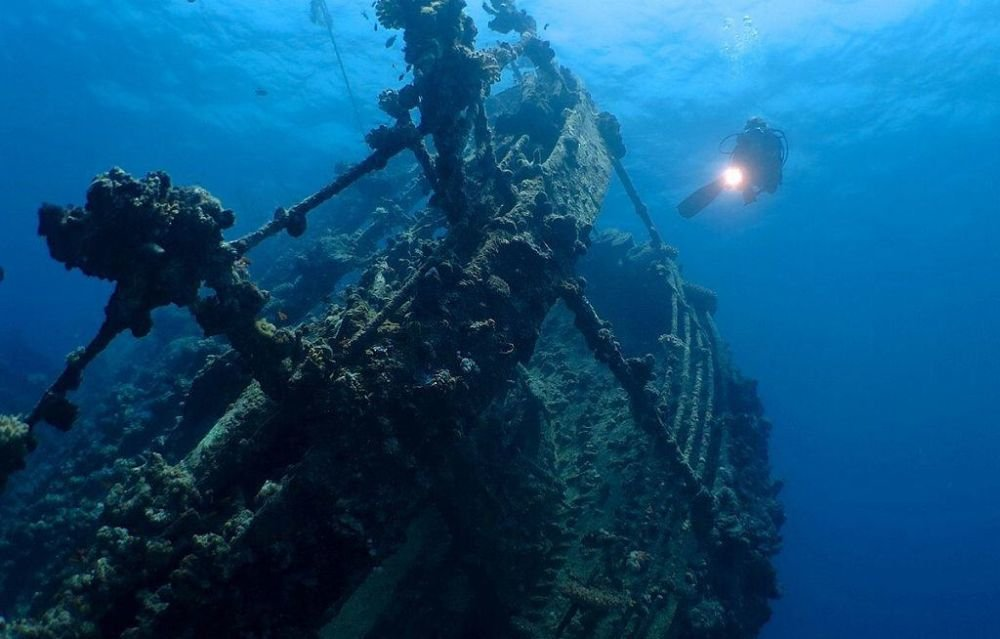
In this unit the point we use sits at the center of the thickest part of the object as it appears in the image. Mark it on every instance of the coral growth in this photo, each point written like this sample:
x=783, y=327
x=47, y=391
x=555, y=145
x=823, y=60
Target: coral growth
x=702, y=298
x=598, y=598
x=15, y=443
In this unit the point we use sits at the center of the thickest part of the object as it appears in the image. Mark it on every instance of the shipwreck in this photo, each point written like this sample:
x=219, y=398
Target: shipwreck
x=476, y=436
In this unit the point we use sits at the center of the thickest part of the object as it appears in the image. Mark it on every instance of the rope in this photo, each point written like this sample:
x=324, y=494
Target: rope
x=321, y=15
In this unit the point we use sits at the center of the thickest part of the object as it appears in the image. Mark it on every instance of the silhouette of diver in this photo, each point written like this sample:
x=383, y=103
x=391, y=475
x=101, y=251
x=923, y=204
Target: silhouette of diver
x=755, y=165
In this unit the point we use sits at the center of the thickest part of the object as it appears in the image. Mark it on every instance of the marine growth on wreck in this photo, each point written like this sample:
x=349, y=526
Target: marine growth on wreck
x=433, y=417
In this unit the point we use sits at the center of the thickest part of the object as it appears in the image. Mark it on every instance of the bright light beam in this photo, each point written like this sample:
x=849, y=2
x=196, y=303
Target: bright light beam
x=733, y=177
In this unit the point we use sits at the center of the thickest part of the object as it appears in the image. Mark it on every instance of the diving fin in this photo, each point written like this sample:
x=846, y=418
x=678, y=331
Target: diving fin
x=694, y=203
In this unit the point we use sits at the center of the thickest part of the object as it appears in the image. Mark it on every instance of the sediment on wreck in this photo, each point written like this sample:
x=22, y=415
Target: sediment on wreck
x=445, y=453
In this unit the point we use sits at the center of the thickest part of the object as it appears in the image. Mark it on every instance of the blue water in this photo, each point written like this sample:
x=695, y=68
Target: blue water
x=864, y=295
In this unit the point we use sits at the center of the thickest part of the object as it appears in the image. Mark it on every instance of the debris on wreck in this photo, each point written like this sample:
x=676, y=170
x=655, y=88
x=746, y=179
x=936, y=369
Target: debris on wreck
x=477, y=438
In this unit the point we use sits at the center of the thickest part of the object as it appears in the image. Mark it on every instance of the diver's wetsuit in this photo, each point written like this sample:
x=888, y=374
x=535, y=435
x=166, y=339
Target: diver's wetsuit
x=759, y=153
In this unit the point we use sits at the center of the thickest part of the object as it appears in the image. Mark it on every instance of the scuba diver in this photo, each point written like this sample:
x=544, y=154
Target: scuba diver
x=755, y=165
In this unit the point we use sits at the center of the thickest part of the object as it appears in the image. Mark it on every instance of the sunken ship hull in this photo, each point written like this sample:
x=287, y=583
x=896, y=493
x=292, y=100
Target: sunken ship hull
x=479, y=438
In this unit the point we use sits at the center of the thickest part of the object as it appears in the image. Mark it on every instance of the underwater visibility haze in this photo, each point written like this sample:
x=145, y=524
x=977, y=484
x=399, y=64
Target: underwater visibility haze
x=395, y=329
